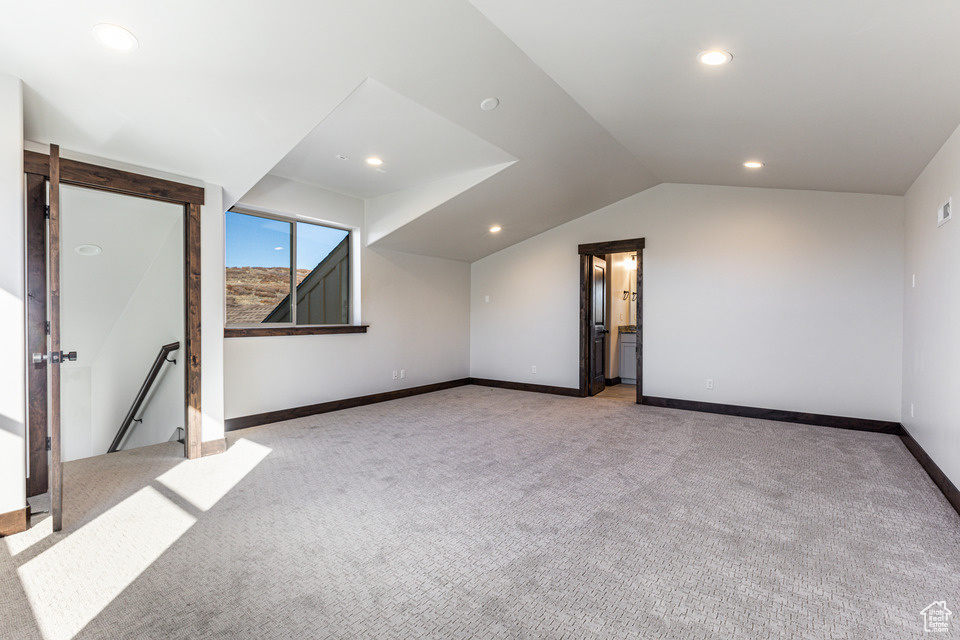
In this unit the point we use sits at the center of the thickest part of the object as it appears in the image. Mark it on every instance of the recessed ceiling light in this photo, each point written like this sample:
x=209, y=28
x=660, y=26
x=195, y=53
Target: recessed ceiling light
x=115, y=37
x=89, y=250
x=715, y=57
x=495, y=228
x=374, y=161
x=489, y=104
x=340, y=156
x=753, y=164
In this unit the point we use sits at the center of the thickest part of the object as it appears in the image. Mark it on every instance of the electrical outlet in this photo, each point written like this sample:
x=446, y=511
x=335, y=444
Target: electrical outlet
x=486, y=298
x=403, y=373
x=394, y=374
x=911, y=409
x=710, y=383
x=533, y=369
x=621, y=317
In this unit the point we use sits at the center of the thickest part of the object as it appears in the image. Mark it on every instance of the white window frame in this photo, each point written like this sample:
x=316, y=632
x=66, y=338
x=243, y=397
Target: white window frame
x=353, y=275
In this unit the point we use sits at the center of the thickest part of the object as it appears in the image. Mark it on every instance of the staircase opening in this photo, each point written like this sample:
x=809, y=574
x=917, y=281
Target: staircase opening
x=121, y=299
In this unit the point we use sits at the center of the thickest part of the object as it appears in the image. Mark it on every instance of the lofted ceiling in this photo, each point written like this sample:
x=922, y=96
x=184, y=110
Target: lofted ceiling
x=416, y=145
x=599, y=100
x=836, y=96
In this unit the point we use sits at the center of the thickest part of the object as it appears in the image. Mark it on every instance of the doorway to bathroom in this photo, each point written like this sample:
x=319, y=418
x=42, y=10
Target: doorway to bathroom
x=611, y=318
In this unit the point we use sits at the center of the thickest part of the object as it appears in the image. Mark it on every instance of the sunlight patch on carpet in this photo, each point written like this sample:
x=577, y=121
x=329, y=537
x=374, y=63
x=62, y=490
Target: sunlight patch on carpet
x=73, y=581
x=23, y=541
x=204, y=482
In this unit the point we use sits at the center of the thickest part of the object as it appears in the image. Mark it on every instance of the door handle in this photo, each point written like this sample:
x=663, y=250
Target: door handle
x=55, y=357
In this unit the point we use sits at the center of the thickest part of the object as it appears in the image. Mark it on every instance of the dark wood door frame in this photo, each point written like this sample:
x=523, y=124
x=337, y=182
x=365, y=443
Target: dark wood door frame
x=81, y=174
x=587, y=253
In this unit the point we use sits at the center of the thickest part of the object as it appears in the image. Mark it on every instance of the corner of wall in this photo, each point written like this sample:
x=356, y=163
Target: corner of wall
x=212, y=313
x=13, y=435
x=931, y=311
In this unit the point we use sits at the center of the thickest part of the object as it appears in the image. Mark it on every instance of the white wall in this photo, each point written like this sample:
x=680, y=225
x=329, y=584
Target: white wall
x=621, y=277
x=13, y=466
x=417, y=309
x=76, y=414
x=152, y=317
x=787, y=299
x=611, y=341
x=212, y=313
x=931, y=343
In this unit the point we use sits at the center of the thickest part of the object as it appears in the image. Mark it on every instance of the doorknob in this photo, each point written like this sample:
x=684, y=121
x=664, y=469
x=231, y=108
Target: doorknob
x=55, y=357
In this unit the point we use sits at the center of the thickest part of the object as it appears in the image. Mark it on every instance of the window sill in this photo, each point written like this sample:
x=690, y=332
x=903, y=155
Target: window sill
x=255, y=332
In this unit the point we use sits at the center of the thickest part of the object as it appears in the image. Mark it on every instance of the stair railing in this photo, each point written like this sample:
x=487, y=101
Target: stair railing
x=165, y=351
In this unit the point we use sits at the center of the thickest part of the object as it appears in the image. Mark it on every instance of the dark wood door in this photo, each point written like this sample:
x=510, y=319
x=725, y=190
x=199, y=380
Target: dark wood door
x=598, y=330
x=38, y=480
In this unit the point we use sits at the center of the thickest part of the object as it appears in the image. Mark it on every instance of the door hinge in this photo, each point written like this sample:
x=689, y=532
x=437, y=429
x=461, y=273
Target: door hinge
x=49, y=444
x=48, y=328
x=46, y=211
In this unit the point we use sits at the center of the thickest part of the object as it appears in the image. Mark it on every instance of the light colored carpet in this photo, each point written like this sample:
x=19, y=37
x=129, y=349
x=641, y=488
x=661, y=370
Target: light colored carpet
x=487, y=513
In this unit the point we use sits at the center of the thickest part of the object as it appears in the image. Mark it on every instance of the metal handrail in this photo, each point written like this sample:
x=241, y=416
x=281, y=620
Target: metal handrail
x=165, y=350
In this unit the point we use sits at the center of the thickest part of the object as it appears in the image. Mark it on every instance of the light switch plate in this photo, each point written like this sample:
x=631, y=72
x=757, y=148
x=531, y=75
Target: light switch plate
x=945, y=212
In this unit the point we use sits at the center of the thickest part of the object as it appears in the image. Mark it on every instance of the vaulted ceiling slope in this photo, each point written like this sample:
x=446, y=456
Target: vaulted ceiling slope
x=850, y=96
x=837, y=96
x=222, y=91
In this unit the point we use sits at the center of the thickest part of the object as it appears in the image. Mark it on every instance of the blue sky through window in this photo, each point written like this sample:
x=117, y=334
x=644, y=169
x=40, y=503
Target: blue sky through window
x=314, y=243
x=252, y=241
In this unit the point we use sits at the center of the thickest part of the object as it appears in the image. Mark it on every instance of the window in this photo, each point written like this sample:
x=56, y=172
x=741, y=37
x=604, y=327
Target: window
x=281, y=272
